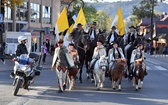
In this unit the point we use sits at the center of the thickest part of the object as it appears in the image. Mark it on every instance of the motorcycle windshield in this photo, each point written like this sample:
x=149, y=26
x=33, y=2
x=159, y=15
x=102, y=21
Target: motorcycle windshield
x=23, y=59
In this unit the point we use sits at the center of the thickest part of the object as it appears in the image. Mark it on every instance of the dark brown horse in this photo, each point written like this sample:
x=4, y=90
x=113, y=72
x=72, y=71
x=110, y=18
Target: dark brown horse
x=118, y=72
x=138, y=74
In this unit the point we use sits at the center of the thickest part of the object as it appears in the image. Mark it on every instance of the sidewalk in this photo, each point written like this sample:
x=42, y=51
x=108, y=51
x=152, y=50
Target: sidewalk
x=8, y=66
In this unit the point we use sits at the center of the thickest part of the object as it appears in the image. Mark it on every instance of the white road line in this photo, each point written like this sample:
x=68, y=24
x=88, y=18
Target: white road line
x=160, y=68
x=152, y=62
x=148, y=68
x=32, y=94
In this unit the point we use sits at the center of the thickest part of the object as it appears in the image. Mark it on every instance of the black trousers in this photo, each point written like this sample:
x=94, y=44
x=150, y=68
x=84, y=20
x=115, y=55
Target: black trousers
x=44, y=58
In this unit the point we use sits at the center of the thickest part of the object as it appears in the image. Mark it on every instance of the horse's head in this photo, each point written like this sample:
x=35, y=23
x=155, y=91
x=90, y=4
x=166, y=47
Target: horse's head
x=103, y=63
x=85, y=40
x=121, y=63
x=138, y=67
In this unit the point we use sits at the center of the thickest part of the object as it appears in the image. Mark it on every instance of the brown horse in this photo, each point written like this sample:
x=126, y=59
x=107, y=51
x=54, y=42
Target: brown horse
x=138, y=74
x=118, y=72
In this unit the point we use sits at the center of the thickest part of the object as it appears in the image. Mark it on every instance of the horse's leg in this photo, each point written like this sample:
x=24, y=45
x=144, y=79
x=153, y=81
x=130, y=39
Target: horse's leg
x=133, y=82
x=113, y=83
x=102, y=80
x=99, y=81
x=87, y=68
x=80, y=73
x=136, y=83
x=119, y=82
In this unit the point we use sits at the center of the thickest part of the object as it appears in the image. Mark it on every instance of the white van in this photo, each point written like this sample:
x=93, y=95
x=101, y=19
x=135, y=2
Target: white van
x=12, y=41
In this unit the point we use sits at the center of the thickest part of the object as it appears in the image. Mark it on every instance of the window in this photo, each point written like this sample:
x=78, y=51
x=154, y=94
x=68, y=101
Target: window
x=46, y=15
x=7, y=13
x=22, y=12
x=35, y=12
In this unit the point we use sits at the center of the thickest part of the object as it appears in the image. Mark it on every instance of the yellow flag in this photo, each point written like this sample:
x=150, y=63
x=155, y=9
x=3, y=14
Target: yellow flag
x=62, y=22
x=120, y=24
x=70, y=29
x=81, y=18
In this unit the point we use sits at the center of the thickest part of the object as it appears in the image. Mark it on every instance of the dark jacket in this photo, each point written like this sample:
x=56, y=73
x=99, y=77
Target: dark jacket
x=76, y=34
x=109, y=36
x=131, y=38
x=90, y=32
x=21, y=49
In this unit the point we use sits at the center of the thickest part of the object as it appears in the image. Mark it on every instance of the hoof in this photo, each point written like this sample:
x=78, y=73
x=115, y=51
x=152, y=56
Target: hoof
x=98, y=89
x=92, y=80
x=88, y=77
x=139, y=88
x=60, y=91
x=119, y=90
x=114, y=88
x=80, y=81
x=64, y=87
x=136, y=89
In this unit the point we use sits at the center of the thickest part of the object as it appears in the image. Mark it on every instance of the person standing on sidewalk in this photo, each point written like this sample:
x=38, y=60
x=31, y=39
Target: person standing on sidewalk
x=44, y=51
x=2, y=54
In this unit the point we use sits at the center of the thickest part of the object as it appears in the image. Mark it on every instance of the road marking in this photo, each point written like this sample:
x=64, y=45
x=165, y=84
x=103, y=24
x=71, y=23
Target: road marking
x=32, y=94
x=148, y=68
x=152, y=62
x=160, y=68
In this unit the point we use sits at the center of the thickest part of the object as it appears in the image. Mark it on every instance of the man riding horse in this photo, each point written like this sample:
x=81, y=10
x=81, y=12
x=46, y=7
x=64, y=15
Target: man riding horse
x=112, y=36
x=131, y=43
x=114, y=54
x=138, y=55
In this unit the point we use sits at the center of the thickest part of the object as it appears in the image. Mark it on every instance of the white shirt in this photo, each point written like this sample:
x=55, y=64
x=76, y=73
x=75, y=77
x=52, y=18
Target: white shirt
x=112, y=37
x=92, y=35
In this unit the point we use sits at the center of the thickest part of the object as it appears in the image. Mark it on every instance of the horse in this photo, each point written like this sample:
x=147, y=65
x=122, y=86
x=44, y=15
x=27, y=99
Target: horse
x=82, y=46
x=138, y=74
x=118, y=72
x=99, y=71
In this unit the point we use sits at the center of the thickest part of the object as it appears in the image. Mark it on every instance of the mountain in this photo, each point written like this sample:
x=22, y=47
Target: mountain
x=111, y=8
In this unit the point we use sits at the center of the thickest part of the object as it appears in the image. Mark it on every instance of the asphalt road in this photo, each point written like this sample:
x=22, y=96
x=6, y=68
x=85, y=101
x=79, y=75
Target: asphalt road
x=44, y=90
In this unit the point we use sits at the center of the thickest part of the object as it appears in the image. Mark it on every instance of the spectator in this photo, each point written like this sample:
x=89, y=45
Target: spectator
x=2, y=53
x=44, y=51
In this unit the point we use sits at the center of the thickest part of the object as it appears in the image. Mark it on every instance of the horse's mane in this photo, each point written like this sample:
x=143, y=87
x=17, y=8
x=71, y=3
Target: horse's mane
x=120, y=65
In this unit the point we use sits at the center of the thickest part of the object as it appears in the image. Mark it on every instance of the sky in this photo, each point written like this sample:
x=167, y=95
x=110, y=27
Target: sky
x=106, y=0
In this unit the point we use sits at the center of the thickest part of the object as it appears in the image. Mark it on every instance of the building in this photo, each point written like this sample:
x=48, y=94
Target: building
x=35, y=16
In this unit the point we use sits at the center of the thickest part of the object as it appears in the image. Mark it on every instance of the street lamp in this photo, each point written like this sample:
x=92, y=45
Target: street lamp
x=77, y=5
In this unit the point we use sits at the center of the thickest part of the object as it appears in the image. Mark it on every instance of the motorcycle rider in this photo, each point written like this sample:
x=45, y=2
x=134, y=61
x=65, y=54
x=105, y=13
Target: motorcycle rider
x=21, y=49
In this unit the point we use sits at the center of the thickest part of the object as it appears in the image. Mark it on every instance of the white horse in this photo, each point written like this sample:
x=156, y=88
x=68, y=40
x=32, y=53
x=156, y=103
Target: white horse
x=99, y=71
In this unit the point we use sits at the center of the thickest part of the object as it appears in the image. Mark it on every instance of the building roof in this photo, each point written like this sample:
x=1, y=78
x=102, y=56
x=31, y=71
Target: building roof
x=147, y=21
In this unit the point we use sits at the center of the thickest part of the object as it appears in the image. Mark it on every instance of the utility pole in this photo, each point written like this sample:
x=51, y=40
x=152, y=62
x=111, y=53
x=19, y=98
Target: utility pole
x=152, y=15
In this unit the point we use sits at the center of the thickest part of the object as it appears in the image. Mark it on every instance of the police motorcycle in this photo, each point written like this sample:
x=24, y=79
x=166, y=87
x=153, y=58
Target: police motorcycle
x=25, y=70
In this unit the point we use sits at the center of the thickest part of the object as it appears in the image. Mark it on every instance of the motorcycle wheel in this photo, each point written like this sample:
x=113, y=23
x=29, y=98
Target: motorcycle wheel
x=17, y=86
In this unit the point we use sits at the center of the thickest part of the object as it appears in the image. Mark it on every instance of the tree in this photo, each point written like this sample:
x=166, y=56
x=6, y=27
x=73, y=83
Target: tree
x=11, y=3
x=145, y=9
x=104, y=20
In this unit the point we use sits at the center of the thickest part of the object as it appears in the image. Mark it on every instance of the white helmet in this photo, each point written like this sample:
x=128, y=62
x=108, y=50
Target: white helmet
x=21, y=38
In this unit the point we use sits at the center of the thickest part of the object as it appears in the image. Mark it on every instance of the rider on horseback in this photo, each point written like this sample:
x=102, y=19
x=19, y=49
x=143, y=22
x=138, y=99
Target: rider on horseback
x=114, y=54
x=77, y=32
x=138, y=55
x=93, y=32
x=112, y=36
x=74, y=54
x=98, y=51
x=130, y=39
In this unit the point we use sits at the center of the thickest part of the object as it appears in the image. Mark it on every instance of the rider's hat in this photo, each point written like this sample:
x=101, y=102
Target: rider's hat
x=113, y=27
x=79, y=24
x=60, y=41
x=94, y=23
x=132, y=27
